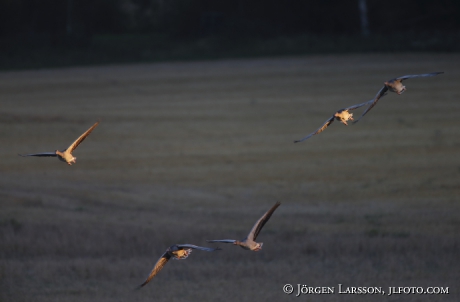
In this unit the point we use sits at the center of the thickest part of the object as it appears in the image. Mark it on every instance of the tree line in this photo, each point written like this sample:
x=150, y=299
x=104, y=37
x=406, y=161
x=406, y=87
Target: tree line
x=61, y=19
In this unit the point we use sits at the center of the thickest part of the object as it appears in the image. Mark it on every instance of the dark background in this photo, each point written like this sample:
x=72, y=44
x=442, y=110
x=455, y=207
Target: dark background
x=190, y=151
x=37, y=33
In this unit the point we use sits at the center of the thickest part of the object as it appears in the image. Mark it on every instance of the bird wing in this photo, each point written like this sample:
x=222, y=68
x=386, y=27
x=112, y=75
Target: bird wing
x=261, y=222
x=82, y=137
x=419, y=75
x=222, y=240
x=196, y=247
x=44, y=154
x=353, y=107
x=157, y=268
x=319, y=130
x=382, y=92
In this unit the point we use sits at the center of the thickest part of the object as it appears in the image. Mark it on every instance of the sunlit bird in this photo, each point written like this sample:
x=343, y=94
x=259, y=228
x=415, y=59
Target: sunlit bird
x=249, y=242
x=343, y=115
x=177, y=252
x=66, y=154
x=394, y=85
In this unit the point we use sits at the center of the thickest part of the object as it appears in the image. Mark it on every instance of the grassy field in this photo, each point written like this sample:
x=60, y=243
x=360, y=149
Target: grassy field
x=192, y=151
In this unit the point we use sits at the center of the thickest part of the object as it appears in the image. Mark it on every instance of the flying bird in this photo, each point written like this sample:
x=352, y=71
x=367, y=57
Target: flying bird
x=177, y=252
x=343, y=115
x=394, y=85
x=66, y=154
x=249, y=242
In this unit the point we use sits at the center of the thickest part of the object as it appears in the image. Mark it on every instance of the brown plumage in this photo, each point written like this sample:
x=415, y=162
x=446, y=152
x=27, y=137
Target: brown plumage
x=176, y=251
x=66, y=154
x=342, y=115
x=249, y=242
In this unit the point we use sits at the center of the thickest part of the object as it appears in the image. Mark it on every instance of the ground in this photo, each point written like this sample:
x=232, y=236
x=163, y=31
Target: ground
x=192, y=151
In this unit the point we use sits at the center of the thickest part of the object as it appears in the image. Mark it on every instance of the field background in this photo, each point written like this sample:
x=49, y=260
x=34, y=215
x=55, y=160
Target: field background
x=192, y=151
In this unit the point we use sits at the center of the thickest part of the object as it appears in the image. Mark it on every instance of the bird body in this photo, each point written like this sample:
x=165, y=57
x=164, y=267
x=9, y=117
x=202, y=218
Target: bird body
x=249, y=242
x=343, y=116
x=179, y=253
x=395, y=85
x=66, y=157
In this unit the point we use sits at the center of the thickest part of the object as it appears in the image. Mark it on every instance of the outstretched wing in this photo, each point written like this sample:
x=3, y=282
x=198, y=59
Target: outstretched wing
x=358, y=105
x=157, y=268
x=222, y=240
x=319, y=130
x=82, y=137
x=195, y=247
x=44, y=154
x=261, y=222
x=419, y=75
x=374, y=101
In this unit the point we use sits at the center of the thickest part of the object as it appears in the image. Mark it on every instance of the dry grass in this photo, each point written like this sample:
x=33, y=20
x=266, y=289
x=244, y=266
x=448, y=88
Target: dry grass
x=192, y=151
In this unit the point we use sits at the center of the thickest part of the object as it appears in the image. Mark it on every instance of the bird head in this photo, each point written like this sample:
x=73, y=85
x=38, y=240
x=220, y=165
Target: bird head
x=258, y=247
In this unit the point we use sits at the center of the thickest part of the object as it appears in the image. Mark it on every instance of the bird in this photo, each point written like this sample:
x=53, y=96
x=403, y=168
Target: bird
x=66, y=154
x=249, y=242
x=342, y=115
x=177, y=252
x=394, y=85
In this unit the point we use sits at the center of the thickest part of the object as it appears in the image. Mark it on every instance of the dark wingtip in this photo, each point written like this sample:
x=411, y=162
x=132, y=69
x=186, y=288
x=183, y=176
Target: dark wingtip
x=296, y=141
x=137, y=288
x=277, y=204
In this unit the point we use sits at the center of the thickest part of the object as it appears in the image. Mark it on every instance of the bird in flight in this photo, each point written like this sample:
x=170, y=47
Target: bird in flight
x=394, y=85
x=66, y=154
x=249, y=242
x=342, y=115
x=177, y=252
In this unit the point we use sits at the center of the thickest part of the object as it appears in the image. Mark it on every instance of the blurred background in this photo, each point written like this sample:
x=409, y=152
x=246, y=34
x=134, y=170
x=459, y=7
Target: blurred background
x=41, y=33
